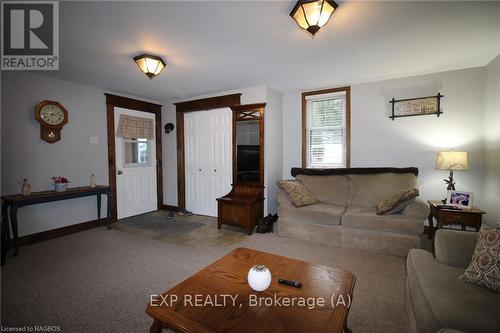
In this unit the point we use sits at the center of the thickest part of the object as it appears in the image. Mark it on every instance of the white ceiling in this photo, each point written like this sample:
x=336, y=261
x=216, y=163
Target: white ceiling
x=215, y=46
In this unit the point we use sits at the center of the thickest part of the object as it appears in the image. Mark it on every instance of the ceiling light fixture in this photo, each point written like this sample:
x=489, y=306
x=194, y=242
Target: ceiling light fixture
x=311, y=15
x=150, y=65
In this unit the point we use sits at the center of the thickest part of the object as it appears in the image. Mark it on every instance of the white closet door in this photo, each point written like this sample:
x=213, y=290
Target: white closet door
x=221, y=160
x=208, y=158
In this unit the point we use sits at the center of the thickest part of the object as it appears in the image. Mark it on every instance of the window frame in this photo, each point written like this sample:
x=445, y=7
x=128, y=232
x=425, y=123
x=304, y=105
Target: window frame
x=347, y=91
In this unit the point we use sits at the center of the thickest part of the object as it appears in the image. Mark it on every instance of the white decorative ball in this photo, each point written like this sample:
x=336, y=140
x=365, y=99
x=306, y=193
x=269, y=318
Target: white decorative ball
x=259, y=278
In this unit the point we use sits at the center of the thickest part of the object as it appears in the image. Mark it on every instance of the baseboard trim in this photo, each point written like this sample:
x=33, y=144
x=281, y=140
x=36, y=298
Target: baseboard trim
x=59, y=232
x=170, y=208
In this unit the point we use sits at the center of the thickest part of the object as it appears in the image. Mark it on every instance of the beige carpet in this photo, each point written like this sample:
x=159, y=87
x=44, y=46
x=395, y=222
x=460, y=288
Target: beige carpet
x=100, y=280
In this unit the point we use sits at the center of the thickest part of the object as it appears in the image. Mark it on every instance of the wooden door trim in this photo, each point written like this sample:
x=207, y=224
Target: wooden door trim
x=113, y=101
x=202, y=104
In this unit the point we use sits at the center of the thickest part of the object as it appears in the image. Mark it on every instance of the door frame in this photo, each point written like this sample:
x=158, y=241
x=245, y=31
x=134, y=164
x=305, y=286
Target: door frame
x=113, y=101
x=202, y=104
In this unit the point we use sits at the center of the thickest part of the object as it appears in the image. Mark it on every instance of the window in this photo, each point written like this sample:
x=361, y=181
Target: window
x=326, y=128
x=136, y=152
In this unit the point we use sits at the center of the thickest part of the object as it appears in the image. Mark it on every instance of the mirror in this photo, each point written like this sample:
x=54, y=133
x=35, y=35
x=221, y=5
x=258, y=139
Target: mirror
x=248, y=151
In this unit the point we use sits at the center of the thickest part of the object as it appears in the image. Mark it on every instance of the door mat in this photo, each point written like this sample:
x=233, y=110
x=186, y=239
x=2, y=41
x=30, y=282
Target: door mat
x=160, y=223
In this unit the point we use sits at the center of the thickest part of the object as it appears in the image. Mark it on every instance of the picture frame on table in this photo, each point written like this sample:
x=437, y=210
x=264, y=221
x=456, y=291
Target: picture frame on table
x=460, y=199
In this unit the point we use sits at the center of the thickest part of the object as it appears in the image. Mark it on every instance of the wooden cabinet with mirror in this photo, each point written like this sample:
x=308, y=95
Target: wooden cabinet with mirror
x=244, y=205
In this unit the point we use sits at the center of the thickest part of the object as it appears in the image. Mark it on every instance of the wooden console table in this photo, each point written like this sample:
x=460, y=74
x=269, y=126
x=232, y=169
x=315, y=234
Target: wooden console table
x=16, y=201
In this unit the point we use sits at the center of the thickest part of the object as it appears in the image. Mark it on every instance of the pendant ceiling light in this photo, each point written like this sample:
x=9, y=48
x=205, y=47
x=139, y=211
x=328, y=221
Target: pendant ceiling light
x=311, y=15
x=150, y=65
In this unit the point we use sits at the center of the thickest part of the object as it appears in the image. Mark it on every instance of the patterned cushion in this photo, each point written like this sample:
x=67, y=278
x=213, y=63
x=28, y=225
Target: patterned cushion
x=299, y=195
x=484, y=268
x=396, y=202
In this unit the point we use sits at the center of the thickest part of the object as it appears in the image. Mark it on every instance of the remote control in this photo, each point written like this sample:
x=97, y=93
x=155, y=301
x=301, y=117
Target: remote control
x=290, y=283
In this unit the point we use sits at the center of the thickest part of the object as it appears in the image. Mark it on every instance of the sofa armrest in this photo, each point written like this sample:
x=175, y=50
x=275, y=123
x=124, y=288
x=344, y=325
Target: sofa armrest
x=454, y=247
x=417, y=209
x=283, y=199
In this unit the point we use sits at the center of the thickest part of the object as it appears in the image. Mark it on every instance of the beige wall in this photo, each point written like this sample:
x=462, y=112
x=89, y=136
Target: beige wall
x=376, y=140
x=24, y=154
x=492, y=140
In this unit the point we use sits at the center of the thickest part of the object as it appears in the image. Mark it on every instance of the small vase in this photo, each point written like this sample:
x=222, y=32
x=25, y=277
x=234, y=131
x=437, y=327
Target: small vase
x=259, y=278
x=60, y=187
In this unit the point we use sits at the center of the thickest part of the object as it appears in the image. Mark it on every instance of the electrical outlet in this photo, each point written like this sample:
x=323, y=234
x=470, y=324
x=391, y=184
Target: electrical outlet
x=94, y=140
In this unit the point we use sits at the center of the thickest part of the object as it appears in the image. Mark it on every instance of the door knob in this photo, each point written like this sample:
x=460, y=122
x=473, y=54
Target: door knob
x=120, y=172
x=199, y=169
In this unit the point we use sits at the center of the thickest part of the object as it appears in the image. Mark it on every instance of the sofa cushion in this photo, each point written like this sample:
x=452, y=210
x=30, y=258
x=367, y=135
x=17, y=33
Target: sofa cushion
x=366, y=218
x=396, y=202
x=368, y=190
x=484, y=268
x=328, y=189
x=440, y=300
x=318, y=214
x=299, y=195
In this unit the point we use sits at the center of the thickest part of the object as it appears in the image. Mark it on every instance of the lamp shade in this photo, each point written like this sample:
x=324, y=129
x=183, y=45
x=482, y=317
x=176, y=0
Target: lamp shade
x=452, y=160
x=311, y=15
x=149, y=64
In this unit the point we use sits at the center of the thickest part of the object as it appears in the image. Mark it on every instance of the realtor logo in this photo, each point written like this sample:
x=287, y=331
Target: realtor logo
x=30, y=35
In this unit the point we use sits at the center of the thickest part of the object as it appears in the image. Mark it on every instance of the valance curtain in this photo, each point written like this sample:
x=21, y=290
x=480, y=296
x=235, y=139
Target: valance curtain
x=130, y=127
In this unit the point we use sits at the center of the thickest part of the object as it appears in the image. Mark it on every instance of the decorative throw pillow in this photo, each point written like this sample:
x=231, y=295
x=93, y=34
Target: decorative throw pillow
x=396, y=202
x=484, y=268
x=298, y=193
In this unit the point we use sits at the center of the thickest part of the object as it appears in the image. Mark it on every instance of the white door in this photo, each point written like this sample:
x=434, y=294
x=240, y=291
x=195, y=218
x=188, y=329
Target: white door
x=208, y=158
x=136, y=170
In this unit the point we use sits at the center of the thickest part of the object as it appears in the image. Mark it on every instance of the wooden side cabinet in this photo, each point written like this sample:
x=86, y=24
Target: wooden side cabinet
x=464, y=217
x=243, y=207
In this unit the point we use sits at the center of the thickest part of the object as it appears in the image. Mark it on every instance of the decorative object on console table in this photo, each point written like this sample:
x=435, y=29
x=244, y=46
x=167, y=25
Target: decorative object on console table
x=92, y=181
x=52, y=116
x=25, y=187
x=452, y=161
x=419, y=106
x=60, y=183
x=447, y=216
x=244, y=205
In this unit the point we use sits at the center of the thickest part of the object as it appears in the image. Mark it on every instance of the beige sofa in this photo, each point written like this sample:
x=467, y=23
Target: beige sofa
x=438, y=301
x=345, y=215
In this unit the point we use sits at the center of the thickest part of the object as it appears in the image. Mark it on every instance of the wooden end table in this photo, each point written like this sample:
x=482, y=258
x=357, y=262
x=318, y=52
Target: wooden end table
x=464, y=217
x=228, y=276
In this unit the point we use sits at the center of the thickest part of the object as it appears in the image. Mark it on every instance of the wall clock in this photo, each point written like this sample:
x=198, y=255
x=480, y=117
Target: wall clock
x=52, y=116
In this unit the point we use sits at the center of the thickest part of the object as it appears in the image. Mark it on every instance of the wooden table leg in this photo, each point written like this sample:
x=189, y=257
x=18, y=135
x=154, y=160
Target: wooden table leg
x=5, y=232
x=347, y=329
x=155, y=327
x=108, y=209
x=13, y=222
x=431, y=225
x=99, y=206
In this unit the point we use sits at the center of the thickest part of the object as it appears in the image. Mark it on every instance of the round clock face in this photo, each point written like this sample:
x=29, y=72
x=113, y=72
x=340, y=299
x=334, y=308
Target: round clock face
x=52, y=114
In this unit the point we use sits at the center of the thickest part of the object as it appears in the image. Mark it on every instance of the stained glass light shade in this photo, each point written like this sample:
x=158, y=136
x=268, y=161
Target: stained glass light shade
x=311, y=15
x=149, y=64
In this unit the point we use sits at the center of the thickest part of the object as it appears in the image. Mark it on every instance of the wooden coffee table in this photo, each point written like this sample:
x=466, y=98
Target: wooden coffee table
x=219, y=299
